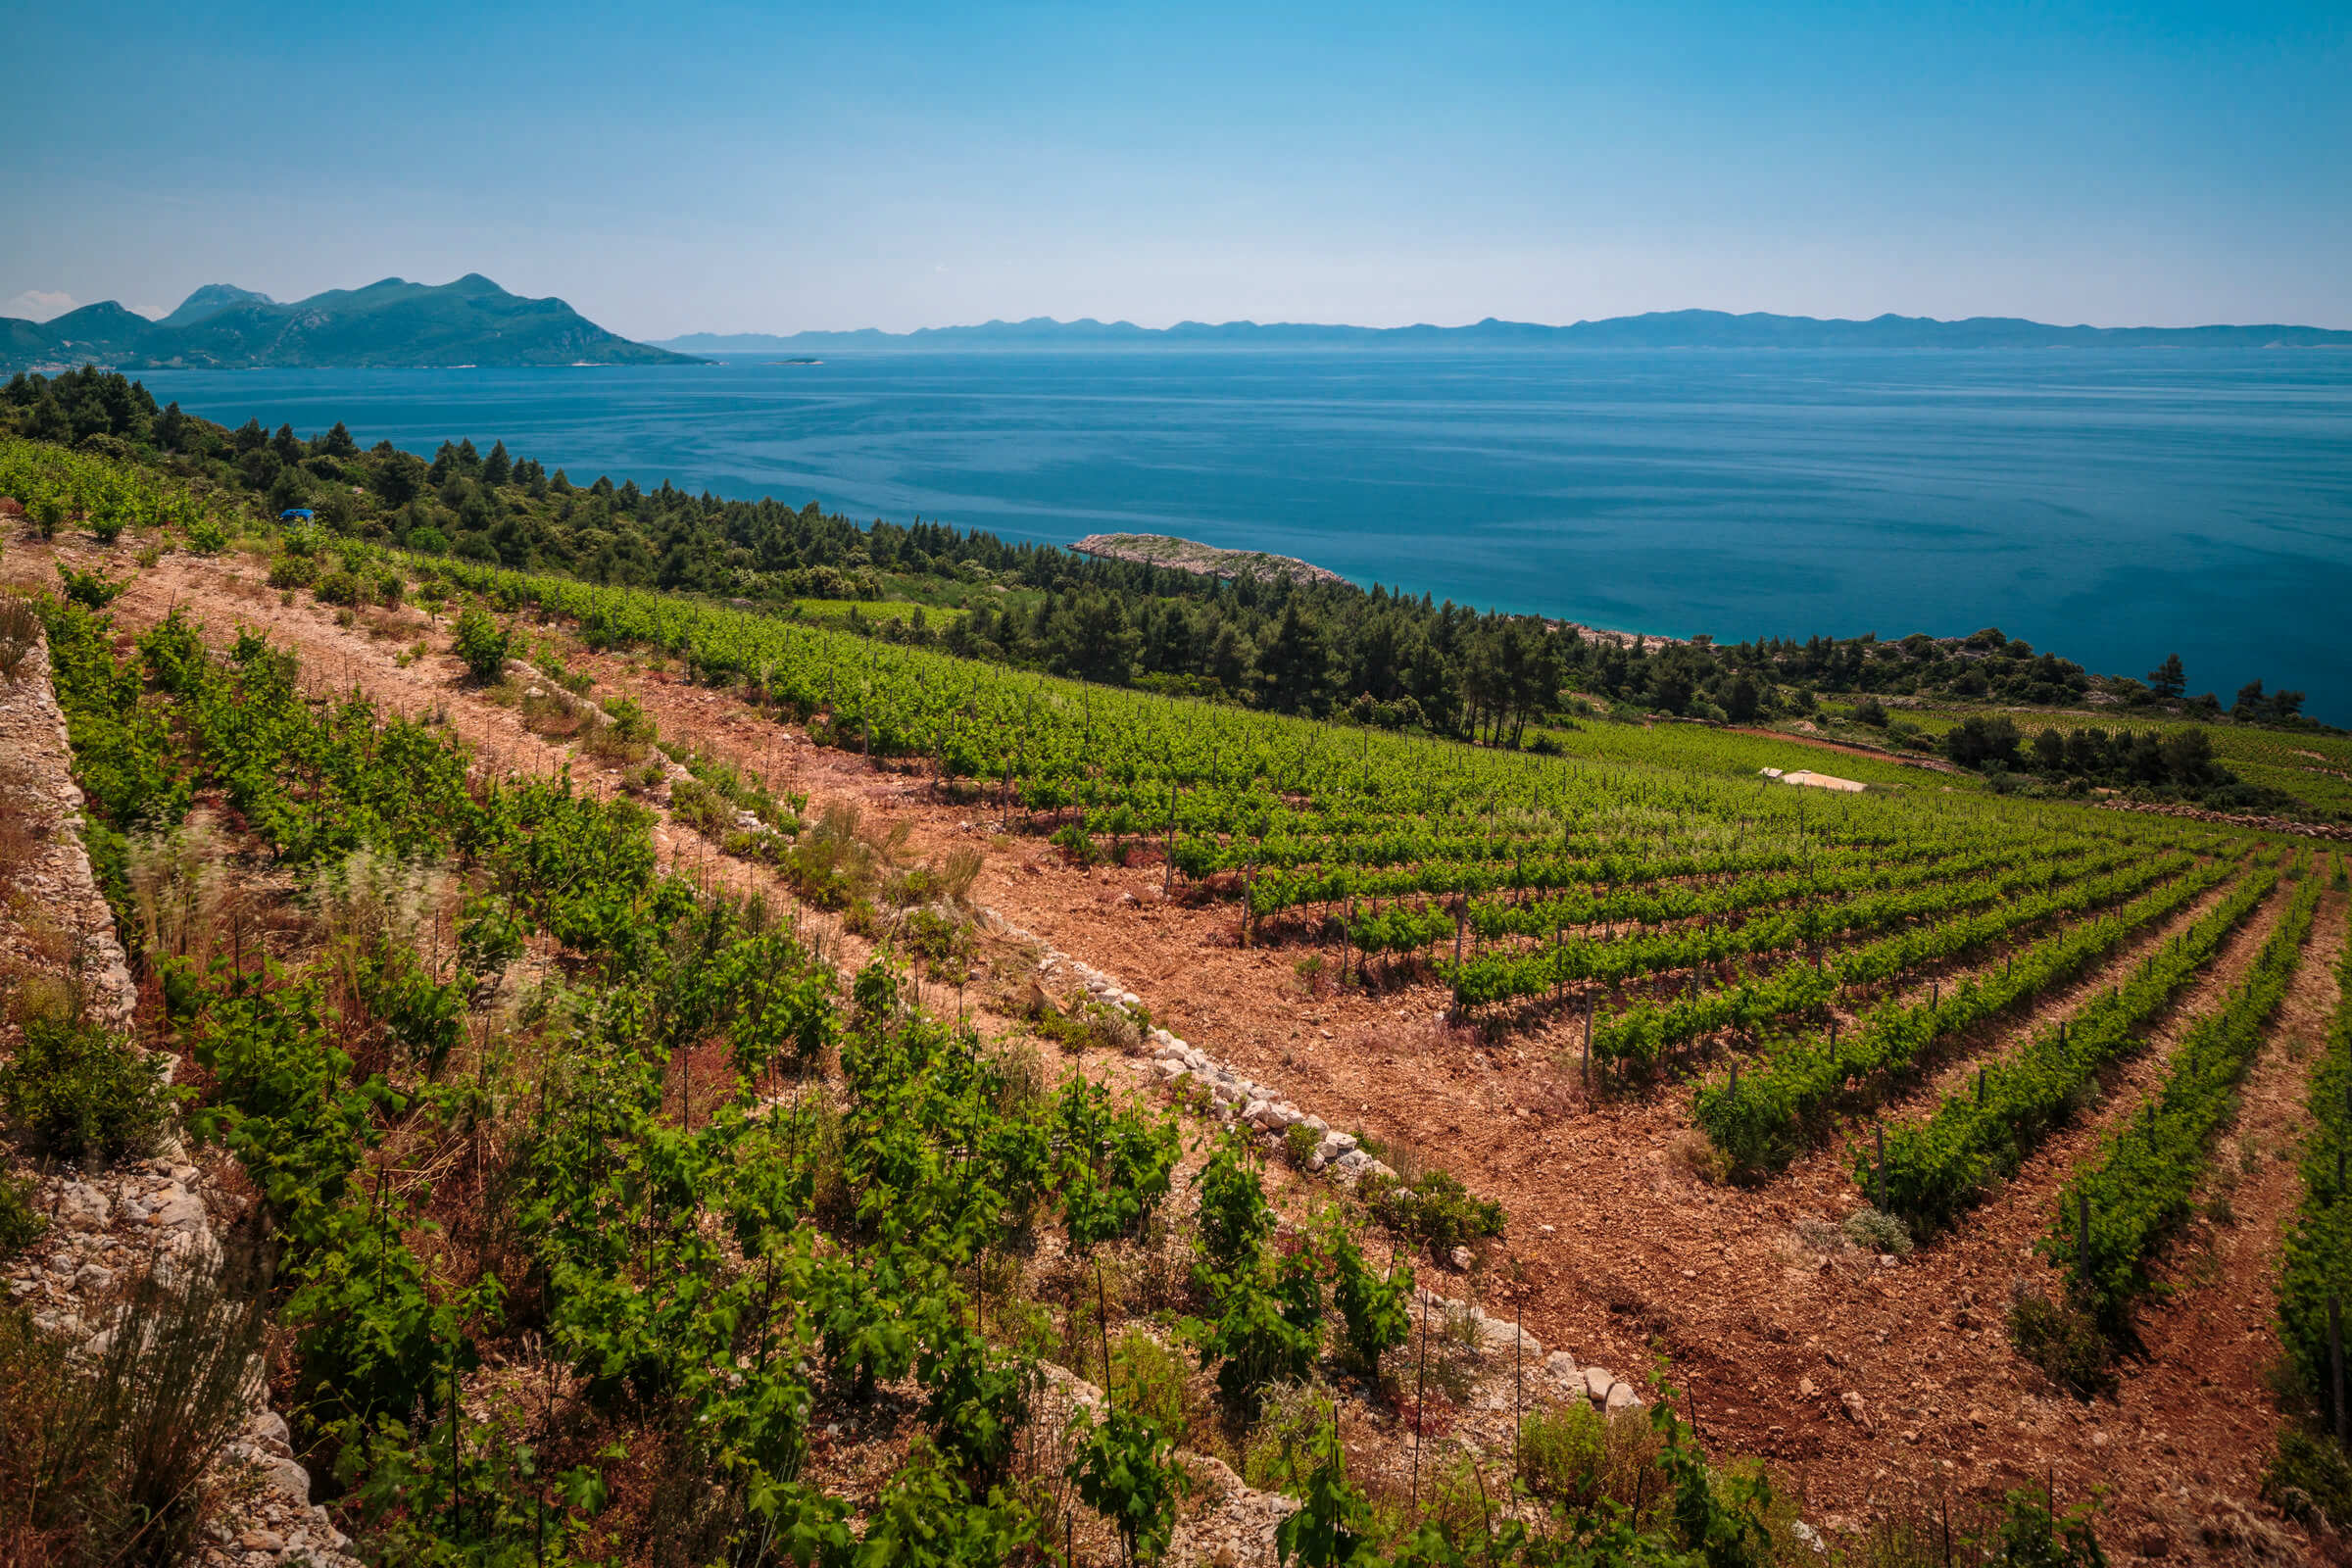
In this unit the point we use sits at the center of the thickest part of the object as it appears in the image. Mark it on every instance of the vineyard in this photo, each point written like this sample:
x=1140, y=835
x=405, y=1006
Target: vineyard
x=626, y=1196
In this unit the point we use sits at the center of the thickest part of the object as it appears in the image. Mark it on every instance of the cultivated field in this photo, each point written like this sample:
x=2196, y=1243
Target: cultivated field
x=695, y=1067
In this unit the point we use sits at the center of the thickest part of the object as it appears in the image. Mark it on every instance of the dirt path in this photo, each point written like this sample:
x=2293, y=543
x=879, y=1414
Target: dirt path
x=1617, y=1250
x=1932, y=764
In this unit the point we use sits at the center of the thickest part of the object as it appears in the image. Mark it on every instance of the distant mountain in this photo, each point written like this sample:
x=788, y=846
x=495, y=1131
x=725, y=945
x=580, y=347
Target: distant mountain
x=212, y=300
x=1659, y=330
x=388, y=325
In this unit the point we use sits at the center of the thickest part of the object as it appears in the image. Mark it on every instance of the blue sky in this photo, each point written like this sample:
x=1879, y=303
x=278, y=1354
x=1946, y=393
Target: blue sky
x=759, y=168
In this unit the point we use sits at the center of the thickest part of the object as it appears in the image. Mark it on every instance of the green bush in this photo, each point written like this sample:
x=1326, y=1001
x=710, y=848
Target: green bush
x=1439, y=1212
x=1372, y=1308
x=91, y=589
x=1235, y=1221
x=1563, y=1453
x=1148, y=1378
x=2065, y=1343
x=293, y=572
x=1126, y=1471
x=2310, y=1480
x=1265, y=1337
x=482, y=643
x=77, y=1090
x=20, y=1226
x=341, y=588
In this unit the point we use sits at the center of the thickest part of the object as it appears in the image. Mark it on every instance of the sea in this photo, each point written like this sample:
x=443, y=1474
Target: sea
x=2112, y=506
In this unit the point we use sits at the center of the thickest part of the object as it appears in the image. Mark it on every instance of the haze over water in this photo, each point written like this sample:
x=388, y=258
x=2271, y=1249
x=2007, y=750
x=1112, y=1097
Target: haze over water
x=2110, y=506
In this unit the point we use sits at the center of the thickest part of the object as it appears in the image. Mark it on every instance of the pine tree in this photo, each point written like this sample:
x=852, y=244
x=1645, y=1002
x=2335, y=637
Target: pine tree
x=2168, y=680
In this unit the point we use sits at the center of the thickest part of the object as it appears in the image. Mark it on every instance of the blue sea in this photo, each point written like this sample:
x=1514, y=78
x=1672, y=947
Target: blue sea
x=2112, y=506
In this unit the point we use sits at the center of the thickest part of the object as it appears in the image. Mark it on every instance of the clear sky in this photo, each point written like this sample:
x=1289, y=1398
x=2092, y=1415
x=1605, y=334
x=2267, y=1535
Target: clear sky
x=681, y=167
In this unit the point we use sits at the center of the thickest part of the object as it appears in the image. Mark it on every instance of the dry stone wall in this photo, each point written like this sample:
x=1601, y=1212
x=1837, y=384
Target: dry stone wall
x=1169, y=1062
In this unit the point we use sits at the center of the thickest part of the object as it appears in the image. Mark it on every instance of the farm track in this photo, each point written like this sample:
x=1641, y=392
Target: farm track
x=1636, y=1248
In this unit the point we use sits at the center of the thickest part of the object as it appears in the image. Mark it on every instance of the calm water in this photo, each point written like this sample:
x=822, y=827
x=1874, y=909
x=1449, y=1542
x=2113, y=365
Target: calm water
x=2110, y=506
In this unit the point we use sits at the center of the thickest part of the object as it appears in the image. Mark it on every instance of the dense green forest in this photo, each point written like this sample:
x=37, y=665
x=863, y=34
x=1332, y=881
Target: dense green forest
x=1381, y=657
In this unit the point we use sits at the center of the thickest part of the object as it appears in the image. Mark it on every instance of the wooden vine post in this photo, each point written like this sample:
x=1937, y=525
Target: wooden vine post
x=2335, y=1360
x=1588, y=1042
x=2082, y=1238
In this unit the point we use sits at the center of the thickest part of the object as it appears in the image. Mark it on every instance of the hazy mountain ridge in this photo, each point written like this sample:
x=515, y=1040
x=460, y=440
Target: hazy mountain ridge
x=1657, y=329
x=388, y=325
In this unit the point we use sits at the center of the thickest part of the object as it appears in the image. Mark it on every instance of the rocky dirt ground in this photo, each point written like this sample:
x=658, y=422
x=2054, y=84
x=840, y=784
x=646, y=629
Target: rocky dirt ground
x=1872, y=1382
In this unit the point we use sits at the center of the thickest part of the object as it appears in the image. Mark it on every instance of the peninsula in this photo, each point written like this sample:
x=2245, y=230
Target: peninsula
x=1201, y=560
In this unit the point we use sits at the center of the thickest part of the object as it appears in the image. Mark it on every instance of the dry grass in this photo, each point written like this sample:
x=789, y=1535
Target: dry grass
x=20, y=634
x=103, y=1460
x=180, y=887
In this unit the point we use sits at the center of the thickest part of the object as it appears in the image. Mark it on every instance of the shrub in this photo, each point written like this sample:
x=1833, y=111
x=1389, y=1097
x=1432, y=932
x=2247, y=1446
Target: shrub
x=207, y=537
x=1125, y=1471
x=1148, y=1378
x=2064, y=1342
x=1279, y=1449
x=1563, y=1453
x=482, y=643
x=78, y=1090
x=1439, y=1212
x=109, y=1459
x=293, y=572
x=698, y=805
x=1874, y=1231
x=2310, y=1480
x=1263, y=1336
x=340, y=588
x=20, y=1226
x=1077, y=845
x=1372, y=1308
x=93, y=590
x=937, y=939
x=19, y=629
x=1235, y=1221
x=626, y=739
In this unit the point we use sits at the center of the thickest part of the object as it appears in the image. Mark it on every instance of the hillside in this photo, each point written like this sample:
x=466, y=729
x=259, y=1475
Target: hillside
x=762, y=1064
x=392, y=324
x=768, y=1070
x=1657, y=329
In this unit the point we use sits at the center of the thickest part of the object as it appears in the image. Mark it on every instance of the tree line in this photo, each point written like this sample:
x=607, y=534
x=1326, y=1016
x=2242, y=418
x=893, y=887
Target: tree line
x=1381, y=655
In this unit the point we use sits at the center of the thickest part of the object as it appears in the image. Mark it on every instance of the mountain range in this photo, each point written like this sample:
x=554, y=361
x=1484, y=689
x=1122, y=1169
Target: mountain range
x=1655, y=331
x=386, y=325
